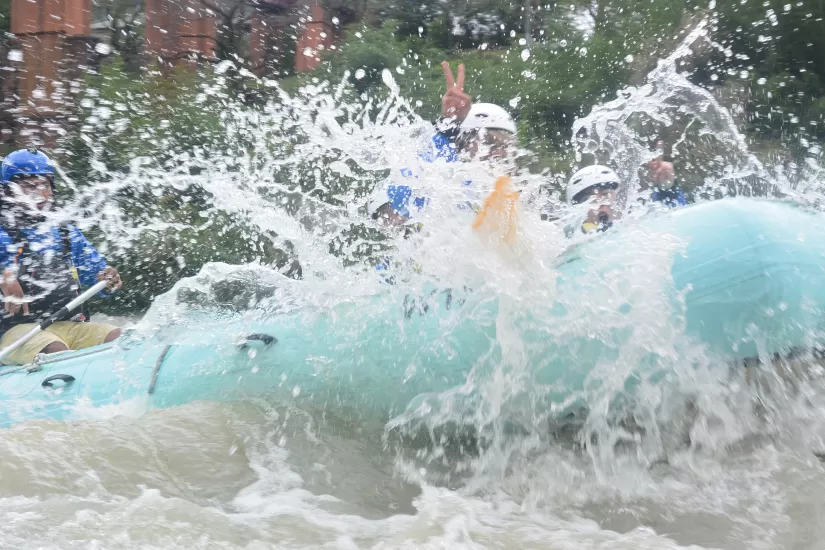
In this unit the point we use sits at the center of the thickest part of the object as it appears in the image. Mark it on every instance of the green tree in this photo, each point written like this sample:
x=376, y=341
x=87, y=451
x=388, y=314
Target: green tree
x=5, y=17
x=160, y=120
x=775, y=48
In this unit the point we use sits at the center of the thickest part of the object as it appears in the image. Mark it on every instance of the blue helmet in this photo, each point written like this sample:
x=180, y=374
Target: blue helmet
x=26, y=162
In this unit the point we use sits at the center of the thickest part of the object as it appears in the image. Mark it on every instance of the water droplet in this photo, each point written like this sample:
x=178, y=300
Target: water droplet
x=103, y=49
x=296, y=391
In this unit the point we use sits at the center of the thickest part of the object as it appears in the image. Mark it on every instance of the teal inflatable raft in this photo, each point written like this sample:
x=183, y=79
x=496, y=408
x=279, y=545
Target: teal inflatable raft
x=734, y=279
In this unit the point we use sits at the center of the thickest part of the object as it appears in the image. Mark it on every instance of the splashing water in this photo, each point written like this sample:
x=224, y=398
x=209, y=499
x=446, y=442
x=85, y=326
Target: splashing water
x=711, y=152
x=506, y=453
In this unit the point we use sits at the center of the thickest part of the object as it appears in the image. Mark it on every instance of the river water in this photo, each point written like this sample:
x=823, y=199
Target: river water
x=730, y=469
x=260, y=475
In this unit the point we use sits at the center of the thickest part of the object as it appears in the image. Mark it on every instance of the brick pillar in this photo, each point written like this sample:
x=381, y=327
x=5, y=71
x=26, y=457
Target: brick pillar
x=179, y=28
x=316, y=38
x=54, y=51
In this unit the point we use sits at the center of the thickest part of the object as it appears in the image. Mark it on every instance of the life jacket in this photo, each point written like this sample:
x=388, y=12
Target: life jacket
x=48, y=280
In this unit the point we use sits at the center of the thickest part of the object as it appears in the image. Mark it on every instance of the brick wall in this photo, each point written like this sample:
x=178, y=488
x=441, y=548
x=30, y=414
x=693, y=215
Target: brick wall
x=53, y=49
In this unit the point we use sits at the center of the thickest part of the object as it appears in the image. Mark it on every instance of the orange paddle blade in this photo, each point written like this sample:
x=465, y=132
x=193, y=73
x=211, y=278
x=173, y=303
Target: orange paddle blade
x=499, y=215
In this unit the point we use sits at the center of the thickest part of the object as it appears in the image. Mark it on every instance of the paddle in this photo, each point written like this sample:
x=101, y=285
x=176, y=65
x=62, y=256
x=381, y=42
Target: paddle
x=499, y=215
x=54, y=318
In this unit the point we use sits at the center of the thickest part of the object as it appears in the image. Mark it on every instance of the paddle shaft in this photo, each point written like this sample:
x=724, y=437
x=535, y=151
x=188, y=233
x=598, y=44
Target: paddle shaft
x=53, y=318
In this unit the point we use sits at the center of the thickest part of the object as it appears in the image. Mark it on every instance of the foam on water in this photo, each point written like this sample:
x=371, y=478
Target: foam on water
x=250, y=476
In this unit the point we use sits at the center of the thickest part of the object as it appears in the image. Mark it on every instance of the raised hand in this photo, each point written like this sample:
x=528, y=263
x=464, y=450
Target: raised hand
x=455, y=103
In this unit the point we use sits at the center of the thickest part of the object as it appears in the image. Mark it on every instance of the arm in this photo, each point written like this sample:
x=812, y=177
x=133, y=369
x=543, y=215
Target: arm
x=455, y=106
x=9, y=284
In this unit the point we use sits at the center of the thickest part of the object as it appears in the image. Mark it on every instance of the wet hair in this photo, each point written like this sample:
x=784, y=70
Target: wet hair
x=383, y=211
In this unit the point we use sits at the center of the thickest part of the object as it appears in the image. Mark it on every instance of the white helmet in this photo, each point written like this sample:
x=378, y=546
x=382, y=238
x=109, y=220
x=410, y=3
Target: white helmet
x=591, y=178
x=489, y=116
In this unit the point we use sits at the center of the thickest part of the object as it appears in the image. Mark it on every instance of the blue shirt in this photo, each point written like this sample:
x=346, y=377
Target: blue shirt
x=85, y=257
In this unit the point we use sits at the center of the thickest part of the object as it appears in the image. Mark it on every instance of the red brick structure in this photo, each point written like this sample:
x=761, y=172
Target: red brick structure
x=176, y=29
x=317, y=37
x=318, y=32
x=55, y=49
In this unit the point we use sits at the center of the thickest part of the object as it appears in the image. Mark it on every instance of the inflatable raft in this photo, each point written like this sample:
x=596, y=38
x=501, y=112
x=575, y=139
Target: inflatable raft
x=737, y=279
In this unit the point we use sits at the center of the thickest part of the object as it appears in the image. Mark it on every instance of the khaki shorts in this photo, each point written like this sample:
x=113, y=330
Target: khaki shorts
x=74, y=335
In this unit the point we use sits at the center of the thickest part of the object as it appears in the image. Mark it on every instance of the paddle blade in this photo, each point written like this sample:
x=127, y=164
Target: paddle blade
x=499, y=215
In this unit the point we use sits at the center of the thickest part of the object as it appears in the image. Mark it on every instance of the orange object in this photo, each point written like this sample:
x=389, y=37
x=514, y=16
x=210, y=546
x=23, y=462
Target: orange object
x=499, y=215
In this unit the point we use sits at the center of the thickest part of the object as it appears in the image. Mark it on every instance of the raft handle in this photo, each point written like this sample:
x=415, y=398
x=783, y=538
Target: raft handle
x=66, y=378
x=258, y=337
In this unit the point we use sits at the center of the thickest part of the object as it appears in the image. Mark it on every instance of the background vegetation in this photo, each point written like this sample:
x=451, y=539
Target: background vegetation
x=548, y=62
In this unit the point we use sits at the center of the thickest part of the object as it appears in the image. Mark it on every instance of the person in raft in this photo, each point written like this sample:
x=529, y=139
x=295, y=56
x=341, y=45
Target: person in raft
x=466, y=131
x=660, y=178
x=594, y=188
x=44, y=266
x=599, y=187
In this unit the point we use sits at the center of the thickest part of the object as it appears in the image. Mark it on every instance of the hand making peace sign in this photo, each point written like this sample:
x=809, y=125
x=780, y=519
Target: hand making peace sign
x=455, y=102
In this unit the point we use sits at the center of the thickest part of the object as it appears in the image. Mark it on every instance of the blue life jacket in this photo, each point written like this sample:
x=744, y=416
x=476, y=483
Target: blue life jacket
x=441, y=148
x=50, y=267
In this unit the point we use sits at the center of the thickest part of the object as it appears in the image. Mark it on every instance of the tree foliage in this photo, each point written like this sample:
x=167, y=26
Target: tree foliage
x=547, y=62
x=774, y=49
